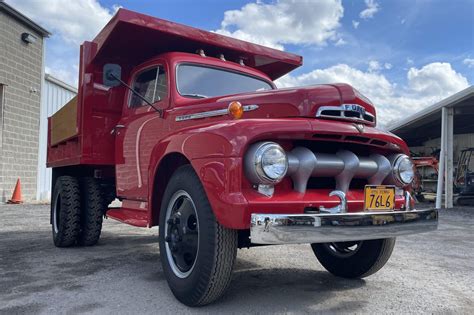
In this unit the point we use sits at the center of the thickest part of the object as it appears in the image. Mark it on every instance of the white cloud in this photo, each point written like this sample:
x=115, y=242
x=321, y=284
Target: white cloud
x=68, y=74
x=425, y=86
x=374, y=66
x=369, y=12
x=340, y=42
x=75, y=21
x=469, y=62
x=355, y=24
x=437, y=78
x=285, y=22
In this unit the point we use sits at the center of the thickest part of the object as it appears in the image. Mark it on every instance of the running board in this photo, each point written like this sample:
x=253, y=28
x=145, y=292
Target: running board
x=132, y=212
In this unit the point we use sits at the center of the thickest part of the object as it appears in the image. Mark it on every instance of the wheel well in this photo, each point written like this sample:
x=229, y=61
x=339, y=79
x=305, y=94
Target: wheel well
x=168, y=165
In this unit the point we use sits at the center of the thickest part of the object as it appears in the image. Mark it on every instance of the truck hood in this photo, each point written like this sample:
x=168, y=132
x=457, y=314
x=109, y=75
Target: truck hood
x=330, y=101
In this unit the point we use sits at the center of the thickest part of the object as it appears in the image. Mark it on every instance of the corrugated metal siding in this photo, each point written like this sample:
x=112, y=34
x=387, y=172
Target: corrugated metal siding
x=56, y=95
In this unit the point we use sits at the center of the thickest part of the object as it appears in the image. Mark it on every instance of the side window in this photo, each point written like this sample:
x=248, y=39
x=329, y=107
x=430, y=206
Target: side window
x=151, y=84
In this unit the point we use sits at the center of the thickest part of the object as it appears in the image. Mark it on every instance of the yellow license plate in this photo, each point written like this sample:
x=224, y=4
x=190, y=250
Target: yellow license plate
x=379, y=198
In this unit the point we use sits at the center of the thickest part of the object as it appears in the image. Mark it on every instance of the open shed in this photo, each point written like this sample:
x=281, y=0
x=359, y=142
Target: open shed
x=448, y=124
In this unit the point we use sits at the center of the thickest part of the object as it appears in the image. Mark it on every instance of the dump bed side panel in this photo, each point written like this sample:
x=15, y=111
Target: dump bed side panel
x=64, y=123
x=79, y=133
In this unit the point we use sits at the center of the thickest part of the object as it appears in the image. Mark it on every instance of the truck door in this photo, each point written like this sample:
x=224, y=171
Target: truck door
x=138, y=131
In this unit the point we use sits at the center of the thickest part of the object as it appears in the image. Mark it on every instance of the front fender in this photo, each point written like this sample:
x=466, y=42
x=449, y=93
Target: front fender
x=215, y=151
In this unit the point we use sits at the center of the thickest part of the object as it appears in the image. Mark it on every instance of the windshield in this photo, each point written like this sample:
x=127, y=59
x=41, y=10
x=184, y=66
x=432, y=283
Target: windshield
x=200, y=82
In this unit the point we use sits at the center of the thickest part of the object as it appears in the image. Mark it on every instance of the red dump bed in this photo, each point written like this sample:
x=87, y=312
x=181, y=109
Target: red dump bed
x=80, y=132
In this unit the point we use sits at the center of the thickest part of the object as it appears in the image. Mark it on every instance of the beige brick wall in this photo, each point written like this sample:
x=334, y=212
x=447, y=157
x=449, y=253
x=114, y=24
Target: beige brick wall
x=20, y=73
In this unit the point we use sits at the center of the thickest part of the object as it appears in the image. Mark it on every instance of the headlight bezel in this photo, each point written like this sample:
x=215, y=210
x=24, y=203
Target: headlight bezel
x=254, y=167
x=396, y=170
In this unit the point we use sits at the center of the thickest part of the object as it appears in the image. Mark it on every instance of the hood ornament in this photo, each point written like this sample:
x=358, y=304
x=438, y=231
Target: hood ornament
x=360, y=127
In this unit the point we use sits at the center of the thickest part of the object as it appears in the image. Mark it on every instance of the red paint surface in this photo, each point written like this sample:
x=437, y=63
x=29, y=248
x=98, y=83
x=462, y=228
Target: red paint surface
x=214, y=146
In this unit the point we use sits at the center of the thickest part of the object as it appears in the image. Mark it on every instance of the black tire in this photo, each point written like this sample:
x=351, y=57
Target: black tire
x=93, y=209
x=211, y=271
x=66, y=211
x=366, y=259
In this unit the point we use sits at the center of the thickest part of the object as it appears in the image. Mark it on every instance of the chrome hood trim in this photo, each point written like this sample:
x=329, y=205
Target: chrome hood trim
x=213, y=113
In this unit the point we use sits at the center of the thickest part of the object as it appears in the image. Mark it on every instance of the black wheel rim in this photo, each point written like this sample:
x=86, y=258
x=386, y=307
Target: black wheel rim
x=181, y=234
x=344, y=249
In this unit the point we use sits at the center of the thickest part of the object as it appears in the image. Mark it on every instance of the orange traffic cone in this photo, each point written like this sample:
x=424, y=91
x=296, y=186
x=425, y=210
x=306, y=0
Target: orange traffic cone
x=16, y=197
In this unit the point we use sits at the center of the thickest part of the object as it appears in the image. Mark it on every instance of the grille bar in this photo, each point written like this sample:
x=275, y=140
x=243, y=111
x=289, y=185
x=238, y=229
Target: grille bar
x=344, y=165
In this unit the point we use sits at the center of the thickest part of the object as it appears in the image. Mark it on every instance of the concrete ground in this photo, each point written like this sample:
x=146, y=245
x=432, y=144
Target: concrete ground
x=430, y=273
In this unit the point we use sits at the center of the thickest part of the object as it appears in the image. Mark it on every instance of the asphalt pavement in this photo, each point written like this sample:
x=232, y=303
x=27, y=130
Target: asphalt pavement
x=427, y=273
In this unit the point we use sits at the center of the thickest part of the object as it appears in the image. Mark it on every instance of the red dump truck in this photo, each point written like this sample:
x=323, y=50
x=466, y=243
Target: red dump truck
x=187, y=129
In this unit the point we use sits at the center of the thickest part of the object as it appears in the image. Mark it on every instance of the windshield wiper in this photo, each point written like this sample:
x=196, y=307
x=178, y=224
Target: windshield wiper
x=195, y=95
x=143, y=98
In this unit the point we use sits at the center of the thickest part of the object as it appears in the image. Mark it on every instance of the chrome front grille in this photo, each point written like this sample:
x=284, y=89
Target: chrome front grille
x=344, y=166
x=353, y=112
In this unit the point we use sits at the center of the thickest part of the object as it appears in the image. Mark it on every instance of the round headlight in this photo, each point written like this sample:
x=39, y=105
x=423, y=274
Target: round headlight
x=403, y=170
x=266, y=163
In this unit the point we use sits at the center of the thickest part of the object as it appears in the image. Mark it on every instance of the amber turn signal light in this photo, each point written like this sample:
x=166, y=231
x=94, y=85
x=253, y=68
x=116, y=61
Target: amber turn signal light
x=236, y=110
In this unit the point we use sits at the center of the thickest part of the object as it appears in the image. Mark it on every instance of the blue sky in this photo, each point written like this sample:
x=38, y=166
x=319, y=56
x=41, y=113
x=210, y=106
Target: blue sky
x=402, y=54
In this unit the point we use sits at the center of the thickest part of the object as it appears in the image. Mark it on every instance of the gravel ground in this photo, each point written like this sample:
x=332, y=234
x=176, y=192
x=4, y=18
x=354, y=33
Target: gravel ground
x=427, y=273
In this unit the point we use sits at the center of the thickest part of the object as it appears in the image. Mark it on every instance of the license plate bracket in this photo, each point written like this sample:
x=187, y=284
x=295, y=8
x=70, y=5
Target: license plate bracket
x=379, y=197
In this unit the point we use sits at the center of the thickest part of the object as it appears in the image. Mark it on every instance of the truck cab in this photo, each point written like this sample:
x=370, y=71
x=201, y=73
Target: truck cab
x=188, y=131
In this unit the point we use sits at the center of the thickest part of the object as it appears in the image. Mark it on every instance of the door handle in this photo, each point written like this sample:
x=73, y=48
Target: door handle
x=116, y=128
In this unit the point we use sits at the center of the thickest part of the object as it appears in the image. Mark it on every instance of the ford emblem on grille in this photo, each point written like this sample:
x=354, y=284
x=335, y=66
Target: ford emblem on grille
x=354, y=112
x=359, y=127
x=354, y=108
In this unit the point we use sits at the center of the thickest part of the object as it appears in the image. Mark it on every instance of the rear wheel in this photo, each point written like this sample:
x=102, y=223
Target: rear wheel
x=357, y=259
x=197, y=253
x=93, y=210
x=65, y=211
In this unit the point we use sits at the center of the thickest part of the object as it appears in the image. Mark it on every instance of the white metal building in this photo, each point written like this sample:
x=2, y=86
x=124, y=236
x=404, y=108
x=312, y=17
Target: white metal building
x=55, y=95
x=447, y=125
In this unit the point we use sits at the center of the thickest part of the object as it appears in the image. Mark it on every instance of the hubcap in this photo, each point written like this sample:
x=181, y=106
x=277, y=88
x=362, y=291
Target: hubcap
x=181, y=234
x=56, y=214
x=344, y=249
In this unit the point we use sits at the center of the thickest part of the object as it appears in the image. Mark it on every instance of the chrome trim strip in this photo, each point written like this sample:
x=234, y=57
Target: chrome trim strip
x=213, y=113
x=340, y=227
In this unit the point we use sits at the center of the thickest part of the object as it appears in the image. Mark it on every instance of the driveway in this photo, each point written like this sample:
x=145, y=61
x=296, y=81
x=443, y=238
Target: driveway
x=427, y=273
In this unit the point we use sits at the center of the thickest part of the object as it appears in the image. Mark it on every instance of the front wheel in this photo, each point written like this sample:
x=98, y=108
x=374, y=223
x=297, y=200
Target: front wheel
x=357, y=259
x=197, y=253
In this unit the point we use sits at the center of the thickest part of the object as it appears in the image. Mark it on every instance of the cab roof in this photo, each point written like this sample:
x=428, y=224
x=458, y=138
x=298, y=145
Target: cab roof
x=134, y=37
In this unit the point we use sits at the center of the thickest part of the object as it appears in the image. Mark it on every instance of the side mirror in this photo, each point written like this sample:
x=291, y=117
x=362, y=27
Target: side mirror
x=110, y=73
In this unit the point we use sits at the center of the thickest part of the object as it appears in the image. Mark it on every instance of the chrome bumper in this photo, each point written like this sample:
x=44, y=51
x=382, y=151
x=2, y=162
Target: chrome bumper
x=339, y=227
